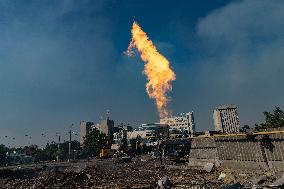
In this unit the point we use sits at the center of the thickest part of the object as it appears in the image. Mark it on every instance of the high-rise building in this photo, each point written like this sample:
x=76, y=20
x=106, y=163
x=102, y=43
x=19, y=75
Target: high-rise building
x=107, y=127
x=180, y=125
x=226, y=119
x=85, y=128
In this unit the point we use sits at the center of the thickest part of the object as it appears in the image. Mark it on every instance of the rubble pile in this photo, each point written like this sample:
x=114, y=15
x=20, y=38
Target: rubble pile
x=102, y=174
x=139, y=173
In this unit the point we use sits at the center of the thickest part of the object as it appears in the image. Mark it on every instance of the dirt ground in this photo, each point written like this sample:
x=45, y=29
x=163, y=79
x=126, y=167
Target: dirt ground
x=141, y=172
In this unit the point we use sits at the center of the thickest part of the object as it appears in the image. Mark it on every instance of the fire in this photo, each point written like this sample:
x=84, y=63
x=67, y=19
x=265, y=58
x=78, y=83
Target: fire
x=157, y=69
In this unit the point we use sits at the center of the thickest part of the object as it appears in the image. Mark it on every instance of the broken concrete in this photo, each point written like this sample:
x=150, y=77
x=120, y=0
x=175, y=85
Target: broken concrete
x=208, y=167
x=279, y=182
x=164, y=183
x=258, y=180
x=135, y=174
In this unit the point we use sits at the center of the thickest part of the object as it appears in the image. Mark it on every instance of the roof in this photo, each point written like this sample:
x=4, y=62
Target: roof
x=223, y=107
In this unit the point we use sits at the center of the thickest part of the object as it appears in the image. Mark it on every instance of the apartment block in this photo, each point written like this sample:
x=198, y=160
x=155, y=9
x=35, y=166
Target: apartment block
x=226, y=119
x=180, y=125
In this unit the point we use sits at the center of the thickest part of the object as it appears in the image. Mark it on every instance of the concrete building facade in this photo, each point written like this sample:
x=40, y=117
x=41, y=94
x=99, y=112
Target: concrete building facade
x=85, y=128
x=181, y=125
x=155, y=130
x=134, y=134
x=226, y=119
x=107, y=127
x=120, y=132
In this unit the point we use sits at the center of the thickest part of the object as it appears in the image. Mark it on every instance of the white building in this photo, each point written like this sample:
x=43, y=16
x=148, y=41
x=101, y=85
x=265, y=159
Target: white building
x=134, y=134
x=226, y=119
x=180, y=125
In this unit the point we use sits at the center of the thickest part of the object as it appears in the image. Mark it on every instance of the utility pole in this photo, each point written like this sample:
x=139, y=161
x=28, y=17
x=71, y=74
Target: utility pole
x=58, y=148
x=69, y=145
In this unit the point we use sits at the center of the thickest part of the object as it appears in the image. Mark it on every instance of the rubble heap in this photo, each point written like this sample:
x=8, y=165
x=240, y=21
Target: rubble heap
x=139, y=173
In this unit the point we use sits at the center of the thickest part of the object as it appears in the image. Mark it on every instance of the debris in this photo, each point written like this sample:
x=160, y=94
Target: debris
x=121, y=158
x=208, y=167
x=217, y=164
x=126, y=159
x=279, y=182
x=243, y=175
x=259, y=180
x=89, y=176
x=104, y=173
x=233, y=186
x=269, y=174
x=164, y=183
x=221, y=176
x=230, y=178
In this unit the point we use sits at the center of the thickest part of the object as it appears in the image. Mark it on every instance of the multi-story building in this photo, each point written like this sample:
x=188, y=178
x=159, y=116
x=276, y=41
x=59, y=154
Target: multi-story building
x=182, y=125
x=135, y=133
x=150, y=133
x=107, y=127
x=226, y=119
x=122, y=126
x=85, y=128
x=120, y=132
x=155, y=130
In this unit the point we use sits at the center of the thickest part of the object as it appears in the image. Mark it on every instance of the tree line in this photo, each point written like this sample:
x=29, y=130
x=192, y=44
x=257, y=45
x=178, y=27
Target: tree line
x=274, y=119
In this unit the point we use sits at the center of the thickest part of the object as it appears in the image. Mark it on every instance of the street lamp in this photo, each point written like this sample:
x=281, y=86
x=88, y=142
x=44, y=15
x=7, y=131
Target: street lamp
x=58, y=147
x=69, y=156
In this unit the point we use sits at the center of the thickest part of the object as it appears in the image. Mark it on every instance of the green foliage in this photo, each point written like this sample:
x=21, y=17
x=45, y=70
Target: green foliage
x=273, y=119
x=93, y=142
x=141, y=148
x=64, y=149
x=3, y=150
x=30, y=150
x=136, y=142
x=244, y=128
x=124, y=146
x=42, y=155
x=51, y=151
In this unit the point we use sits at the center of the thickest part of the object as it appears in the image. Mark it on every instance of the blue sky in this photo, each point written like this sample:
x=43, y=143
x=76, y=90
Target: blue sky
x=62, y=61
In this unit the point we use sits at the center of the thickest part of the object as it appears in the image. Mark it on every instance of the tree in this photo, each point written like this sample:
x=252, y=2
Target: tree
x=50, y=151
x=135, y=144
x=94, y=141
x=64, y=149
x=124, y=145
x=273, y=119
x=30, y=150
x=41, y=155
x=3, y=150
x=244, y=128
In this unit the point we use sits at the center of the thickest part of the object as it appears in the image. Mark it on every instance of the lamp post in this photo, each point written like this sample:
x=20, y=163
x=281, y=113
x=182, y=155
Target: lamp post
x=69, y=152
x=58, y=147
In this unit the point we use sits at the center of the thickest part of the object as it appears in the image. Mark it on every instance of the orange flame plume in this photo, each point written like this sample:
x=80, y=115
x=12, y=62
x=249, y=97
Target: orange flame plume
x=157, y=69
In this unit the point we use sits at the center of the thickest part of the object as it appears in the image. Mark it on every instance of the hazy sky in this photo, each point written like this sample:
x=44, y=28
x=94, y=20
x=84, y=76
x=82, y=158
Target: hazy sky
x=62, y=61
